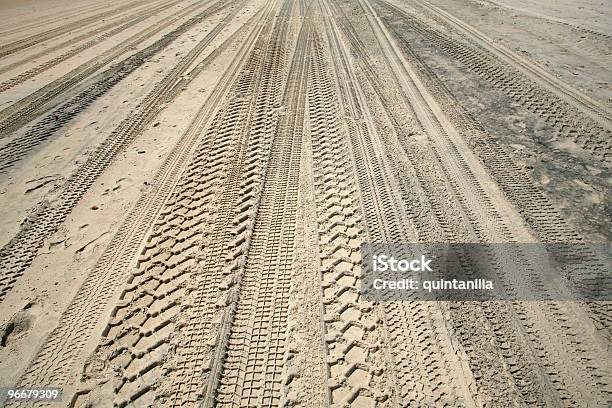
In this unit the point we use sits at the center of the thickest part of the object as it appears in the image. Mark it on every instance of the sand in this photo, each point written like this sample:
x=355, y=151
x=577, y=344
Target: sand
x=186, y=186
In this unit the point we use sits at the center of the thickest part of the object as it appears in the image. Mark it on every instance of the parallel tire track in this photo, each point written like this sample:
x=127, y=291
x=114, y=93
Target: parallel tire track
x=55, y=359
x=520, y=371
x=107, y=31
x=560, y=115
x=158, y=289
x=18, y=254
x=415, y=329
x=535, y=207
x=54, y=32
x=25, y=110
x=572, y=96
x=48, y=126
x=256, y=348
x=326, y=131
x=358, y=373
x=240, y=209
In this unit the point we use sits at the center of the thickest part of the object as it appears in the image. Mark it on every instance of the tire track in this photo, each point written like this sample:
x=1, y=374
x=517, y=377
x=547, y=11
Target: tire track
x=553, y=19
x=305, y=369
x=253, y=369
x=416, y=329
x=107, y=31
x=50, y=18
x=556, y=112
x=536, y=209
x=233, y=229
x=55, y=360
x=499, y=318
x=23, y=43
x=12, y=152
x=18, y=254
x=325, y=123
x=173, y=254
x=536, y=74
x=359, y=369
x=27, y=109
x=578, y=345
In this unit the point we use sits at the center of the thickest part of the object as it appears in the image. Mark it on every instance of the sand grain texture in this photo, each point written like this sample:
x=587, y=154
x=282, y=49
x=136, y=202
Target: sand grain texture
x=186, y=186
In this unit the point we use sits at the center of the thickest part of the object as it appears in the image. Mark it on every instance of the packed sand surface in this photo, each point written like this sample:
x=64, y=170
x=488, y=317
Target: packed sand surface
x=588, y=14
x=186, y=186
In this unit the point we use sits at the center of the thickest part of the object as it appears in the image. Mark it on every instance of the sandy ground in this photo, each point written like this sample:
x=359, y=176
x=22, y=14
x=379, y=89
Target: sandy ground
x=186, y=186
x=590, y=14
